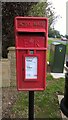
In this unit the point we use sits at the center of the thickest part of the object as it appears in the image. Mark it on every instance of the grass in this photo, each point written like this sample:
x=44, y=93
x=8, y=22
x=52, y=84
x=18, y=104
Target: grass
x=48, y=51
x=46, y=102
x=67, y=49
x=50, y=41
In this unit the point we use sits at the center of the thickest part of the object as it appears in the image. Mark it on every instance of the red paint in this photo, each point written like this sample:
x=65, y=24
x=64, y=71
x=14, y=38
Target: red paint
x=31, y=34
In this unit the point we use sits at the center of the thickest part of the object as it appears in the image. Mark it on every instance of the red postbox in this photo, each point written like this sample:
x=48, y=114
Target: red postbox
x=31, y=44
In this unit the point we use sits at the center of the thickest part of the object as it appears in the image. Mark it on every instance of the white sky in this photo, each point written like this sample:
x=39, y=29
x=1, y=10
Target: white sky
x=60, y=9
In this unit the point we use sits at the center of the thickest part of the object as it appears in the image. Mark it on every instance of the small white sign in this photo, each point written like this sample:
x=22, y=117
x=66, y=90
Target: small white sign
x=31, y=67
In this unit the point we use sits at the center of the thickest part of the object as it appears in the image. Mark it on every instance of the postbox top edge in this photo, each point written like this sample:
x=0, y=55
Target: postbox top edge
x=35, y=18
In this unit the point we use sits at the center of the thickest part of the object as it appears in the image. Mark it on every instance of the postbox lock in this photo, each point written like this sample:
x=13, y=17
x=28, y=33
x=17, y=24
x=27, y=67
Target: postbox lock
x=31, y=51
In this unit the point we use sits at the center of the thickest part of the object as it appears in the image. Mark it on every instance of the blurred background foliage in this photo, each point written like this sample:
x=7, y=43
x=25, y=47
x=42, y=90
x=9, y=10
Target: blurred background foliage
x=12, y=9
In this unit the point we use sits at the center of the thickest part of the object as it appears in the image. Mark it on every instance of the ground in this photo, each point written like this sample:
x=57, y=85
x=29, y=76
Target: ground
x=15, y=104
x=9, y=96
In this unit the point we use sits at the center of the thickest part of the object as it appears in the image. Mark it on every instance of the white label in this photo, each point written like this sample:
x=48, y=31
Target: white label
x=31, y=67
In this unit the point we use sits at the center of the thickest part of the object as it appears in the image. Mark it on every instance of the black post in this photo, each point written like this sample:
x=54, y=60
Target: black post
x=64, y=101
x=31, y=105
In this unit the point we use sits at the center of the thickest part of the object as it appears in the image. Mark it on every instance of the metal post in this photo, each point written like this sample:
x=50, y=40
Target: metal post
x=31, y=105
